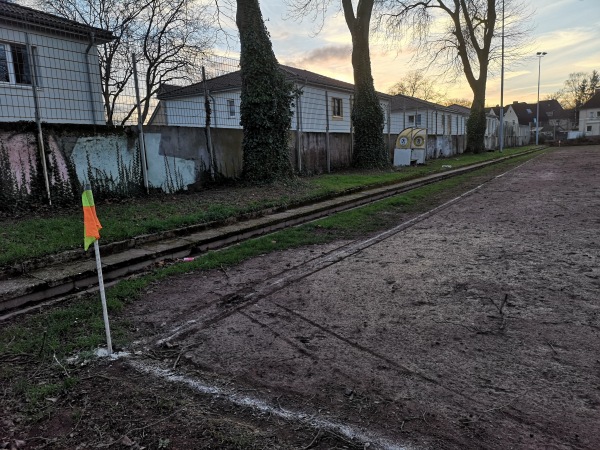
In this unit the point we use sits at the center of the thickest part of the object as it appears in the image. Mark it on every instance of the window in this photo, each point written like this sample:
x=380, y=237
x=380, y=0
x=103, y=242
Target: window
x=411, y=120
x=14, y=64
x=528, y=111
x=598, y=114
x=336, y=104
x=589, y=128
x=231, y=107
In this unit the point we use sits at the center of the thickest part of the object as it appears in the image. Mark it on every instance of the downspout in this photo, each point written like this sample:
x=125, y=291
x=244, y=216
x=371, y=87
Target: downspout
x=351, y=129
x=299, y=126
x=38, y=117
x=214, y=102
x=327, y=149
x=89, y=75
x=389, y=125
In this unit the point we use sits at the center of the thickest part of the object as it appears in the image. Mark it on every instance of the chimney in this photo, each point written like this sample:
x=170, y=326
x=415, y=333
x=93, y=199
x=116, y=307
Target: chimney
x=516, y=102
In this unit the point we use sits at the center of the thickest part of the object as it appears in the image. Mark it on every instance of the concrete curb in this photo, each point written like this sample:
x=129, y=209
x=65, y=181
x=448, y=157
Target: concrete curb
x=70, y=273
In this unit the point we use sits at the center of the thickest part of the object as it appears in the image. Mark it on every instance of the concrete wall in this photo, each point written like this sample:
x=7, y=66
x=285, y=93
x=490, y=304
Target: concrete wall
x=177, y=157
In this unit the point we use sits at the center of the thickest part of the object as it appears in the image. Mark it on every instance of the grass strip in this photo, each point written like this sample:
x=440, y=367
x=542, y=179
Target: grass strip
x=32, y=237
x=78, y=326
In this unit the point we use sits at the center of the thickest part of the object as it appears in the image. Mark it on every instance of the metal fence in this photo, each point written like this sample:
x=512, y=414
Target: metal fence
x=60, y=78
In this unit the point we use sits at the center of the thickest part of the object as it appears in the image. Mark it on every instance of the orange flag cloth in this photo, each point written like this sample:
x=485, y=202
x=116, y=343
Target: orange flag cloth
x=91, y=224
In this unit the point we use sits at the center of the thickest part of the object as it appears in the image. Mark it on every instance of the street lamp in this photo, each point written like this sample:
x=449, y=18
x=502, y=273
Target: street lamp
x=540, y=55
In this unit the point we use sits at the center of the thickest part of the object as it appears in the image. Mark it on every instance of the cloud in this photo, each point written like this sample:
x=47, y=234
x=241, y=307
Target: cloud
x=328, y=54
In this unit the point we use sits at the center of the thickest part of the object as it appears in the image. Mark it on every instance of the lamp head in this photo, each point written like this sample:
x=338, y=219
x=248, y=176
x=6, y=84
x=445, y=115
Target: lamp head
x=541, y=53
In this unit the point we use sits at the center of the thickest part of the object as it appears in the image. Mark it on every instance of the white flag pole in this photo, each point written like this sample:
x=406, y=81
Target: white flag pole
x=103, y=297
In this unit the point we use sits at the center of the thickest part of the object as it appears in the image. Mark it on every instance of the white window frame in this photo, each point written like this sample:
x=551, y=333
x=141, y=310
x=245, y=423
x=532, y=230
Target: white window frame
x=415, y=119
x=12, y=76
x=337, y=108
x=231, y=107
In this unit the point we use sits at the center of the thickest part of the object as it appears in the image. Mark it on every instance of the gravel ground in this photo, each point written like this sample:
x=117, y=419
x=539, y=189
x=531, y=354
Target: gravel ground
x=478, y=327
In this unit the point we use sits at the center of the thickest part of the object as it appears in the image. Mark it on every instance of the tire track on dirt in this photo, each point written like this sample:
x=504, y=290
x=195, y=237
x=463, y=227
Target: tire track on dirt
x=226, y=306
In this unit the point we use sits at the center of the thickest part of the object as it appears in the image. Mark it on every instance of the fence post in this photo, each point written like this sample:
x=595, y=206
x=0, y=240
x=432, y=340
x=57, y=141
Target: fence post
x=211, y=157
x=299, y=130
x=140, y=125
x=327, y=149
x=38, y=116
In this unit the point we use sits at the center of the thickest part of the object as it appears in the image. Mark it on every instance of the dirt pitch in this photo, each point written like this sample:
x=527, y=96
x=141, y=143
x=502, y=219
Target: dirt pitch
x=477, y=326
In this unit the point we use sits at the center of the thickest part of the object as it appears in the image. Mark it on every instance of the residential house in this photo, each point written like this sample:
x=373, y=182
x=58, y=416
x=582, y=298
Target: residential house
x=589, y=116
x=320, y=101
x=554, y=120
x=446, y=126
x=492, y=128
x=321, y=124
x=518, y=122
x=49, y=68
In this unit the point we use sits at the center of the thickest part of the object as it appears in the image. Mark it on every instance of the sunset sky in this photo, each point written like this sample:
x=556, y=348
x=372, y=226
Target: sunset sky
x=569, y=30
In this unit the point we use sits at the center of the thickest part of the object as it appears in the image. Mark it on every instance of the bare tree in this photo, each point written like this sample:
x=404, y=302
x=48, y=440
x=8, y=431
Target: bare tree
x=367, y=116
x=416, y=84
x=577, y=90
x=460, y=36
x=167, y=36
x=171, y=38
x=458, y=101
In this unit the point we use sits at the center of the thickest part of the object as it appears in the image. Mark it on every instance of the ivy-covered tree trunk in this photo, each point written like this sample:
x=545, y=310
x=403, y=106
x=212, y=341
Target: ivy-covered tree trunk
x=476, y=123
x=266, y=101
x=367, y=114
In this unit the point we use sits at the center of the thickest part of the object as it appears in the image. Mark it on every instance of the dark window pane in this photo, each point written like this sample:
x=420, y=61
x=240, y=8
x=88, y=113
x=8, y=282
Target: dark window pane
x=21, y=64
x=3, y=65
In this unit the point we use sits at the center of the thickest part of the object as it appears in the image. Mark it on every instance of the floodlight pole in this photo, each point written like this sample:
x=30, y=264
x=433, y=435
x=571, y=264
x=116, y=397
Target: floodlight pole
x=502, y=87
x=540, y=55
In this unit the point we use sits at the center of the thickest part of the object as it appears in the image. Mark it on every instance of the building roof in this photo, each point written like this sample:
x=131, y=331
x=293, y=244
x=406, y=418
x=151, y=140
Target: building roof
x=527, y=112
x=233, y=81
x=551, y=109
x=496, y=110
x=593, y=102
x=460, y=109
x=23, y=17
x=405, y=102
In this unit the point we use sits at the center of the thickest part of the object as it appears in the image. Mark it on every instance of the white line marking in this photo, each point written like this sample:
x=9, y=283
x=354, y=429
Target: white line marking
x=314, y=421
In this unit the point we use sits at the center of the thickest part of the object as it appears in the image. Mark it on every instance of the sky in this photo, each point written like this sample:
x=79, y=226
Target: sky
x=568, y=30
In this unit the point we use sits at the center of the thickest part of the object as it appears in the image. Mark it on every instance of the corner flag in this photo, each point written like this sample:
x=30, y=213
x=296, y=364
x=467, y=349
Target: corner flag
x=91, y=224
x=91, y=234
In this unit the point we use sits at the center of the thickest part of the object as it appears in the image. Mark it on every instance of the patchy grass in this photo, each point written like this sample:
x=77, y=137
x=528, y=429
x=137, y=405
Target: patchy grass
x=48, y=337
x=79, y=327
x=48, y=232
